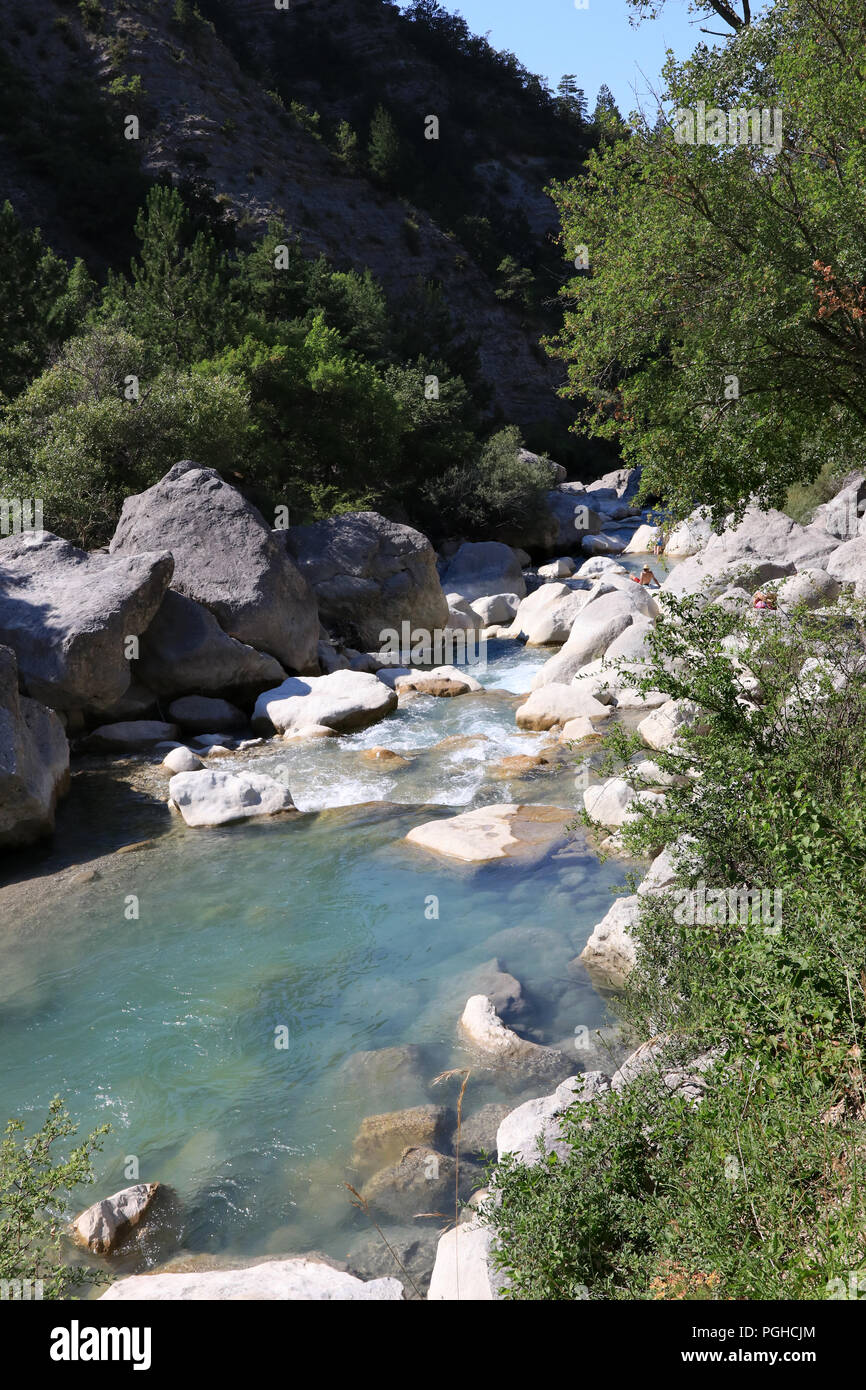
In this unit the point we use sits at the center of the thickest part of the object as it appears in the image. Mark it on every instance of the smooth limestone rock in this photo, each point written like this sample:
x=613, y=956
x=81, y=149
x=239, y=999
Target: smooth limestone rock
x=103, y=1226
x=611, y=951
x=599, y=565
x=218, y=798
x=643, y=541
x=846, y=564
x=689, y=536
x=296, y=1280
x=34, y=761
x=766, y=545
x=484, y=568
x=813, y=587
x=496, y=609
x=343, y=701
x=464, y=1270
x=370, y=575
x=227, y=558
x=561, y=568
x=551, y=622
x=485, y=1030
x=441, y=680
x=67, y=615
x=579, y=730
x=598, y=624
x=615, y=802
x=382, y=1138
x=182, y=760
x=554, y=705
x=129, y=736
x=197, y=714
x=661, y=729
x=185, y=651
x=534, y=1127
x=843, y=514
x=503, y=831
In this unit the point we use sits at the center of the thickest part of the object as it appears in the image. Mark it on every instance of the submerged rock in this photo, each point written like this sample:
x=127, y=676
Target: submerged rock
x=485, y=1030
x=503, y=831
x=217, y=798
x=382, y=1138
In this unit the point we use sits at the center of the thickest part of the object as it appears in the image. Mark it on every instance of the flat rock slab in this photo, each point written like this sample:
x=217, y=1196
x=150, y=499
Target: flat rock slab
x=503, y=831
x=295, y=1280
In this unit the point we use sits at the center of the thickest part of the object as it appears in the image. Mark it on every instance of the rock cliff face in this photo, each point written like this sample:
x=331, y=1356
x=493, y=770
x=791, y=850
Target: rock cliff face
x=206, y=114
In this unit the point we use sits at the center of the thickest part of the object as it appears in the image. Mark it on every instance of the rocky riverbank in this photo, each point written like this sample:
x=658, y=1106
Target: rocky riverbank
x=205, y=659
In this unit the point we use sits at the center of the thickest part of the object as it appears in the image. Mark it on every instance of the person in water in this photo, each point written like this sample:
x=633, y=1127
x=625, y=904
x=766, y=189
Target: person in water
x=646, y=577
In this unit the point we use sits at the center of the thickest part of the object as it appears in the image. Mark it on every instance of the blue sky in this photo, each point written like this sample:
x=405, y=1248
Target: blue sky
x=551, y=37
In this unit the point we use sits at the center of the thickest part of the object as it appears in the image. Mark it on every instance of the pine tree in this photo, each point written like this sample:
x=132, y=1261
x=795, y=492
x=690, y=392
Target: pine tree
x=572, y=98
x=384, y=151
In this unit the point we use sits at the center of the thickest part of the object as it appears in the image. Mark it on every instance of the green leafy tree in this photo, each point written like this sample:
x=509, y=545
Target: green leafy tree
x=346, y=144
x=35, y=1185
x=719, y=335
x=77, y=439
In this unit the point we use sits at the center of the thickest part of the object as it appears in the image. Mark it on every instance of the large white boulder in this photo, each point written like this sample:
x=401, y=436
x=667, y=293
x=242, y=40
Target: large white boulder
x=644, y=540
x=813, y=587
x=847, y=564
x=295, y=1280
x=611, y=951
x=212, y=798
x=555, y=704
x=484, y=568
x=343, y=701
x=597, y=625
x=765, y=545
x=615, y=802
x=689, y=536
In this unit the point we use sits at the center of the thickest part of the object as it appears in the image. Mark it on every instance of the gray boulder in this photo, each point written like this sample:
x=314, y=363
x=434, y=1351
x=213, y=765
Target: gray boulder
x=67, y=616
x=482, y=568
x=197, y=714
x=294, y=1280
x=369, y=576
x=766, y=545
x=184, y=650
x=129, y=736
x=227, y=558
x=34, y=761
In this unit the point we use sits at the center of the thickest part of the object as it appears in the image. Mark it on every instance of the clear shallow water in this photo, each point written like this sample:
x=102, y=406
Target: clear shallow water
x=165, y=1026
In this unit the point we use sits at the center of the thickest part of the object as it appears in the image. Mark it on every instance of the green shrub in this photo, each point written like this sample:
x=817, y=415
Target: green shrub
x=755, y=1193
x=33, y=1189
